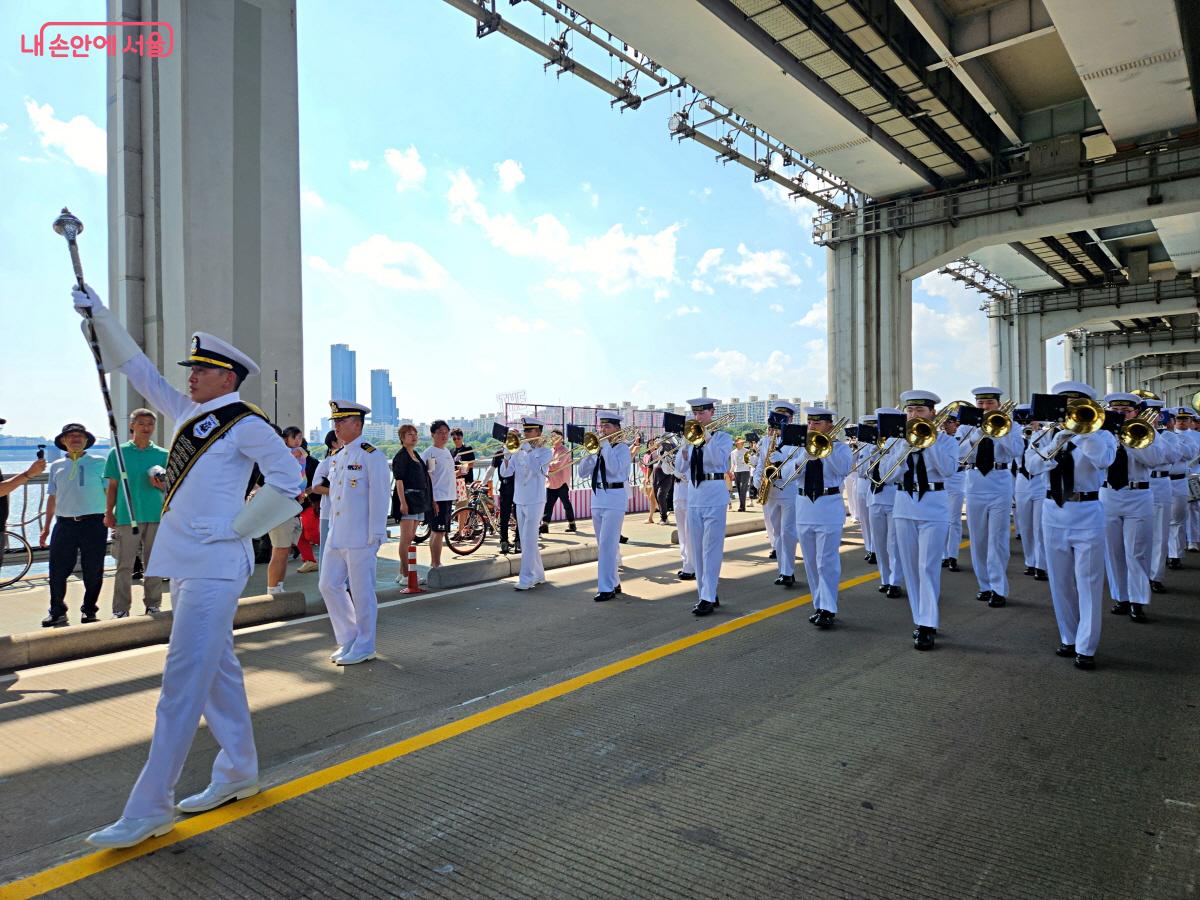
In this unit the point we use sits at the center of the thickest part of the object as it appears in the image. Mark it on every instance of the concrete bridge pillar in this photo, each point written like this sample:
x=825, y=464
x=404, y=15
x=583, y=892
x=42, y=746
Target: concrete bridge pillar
x=1018, y=356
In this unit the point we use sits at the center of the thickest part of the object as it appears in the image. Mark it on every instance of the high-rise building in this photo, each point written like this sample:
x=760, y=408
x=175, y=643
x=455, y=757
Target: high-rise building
x=383, y=401
x=342, y=368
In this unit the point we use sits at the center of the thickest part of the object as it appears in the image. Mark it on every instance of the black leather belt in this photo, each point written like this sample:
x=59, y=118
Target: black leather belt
x=1077, y=496
x=962, y=467
x=1177, y=477
x=828, y=492
x=86, y=518
x=1160, y=474
x=994, y=467
x=611, y=485
x=1133, y=486
x=713, y=476
x=936, y=486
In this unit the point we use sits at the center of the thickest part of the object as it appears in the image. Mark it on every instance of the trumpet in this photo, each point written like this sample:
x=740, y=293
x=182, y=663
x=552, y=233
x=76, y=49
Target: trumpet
x=817, y=445
x=1083, y=416
x=697, y=435
x=1139, y=432
x=921, y=434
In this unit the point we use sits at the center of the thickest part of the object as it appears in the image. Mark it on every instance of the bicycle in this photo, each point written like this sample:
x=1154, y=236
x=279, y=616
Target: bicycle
x=16, y=558
x=479, y=517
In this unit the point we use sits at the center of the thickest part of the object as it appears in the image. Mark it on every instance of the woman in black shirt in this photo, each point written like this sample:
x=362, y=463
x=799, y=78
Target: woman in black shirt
x=413, y=495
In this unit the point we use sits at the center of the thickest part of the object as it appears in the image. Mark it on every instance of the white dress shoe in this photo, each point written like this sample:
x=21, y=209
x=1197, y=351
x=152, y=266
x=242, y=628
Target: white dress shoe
x=131, y=832
x=339, y=653
x=216, y=794
x=353, y=659
x=523, y=587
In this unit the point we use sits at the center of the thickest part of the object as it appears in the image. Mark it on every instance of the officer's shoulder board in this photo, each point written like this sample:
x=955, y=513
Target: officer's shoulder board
x=368, y=447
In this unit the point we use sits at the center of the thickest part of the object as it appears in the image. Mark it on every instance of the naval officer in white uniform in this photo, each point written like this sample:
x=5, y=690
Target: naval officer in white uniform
x=881, y=504
x=608, y=472
x=780, y=509
x=705, y=466
x=822, y=515
x=359, y=497
x=203, y=546
x=530, y=465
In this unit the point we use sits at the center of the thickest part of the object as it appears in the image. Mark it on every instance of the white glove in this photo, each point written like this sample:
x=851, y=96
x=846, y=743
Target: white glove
x=85, y=299
x=211, y=530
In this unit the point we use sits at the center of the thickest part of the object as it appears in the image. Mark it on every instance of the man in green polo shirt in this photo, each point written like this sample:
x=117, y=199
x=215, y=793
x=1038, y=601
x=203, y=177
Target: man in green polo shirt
x=145, y=487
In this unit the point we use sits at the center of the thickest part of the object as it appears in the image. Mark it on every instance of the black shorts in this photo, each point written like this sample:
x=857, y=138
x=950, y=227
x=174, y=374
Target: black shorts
x=441, y=521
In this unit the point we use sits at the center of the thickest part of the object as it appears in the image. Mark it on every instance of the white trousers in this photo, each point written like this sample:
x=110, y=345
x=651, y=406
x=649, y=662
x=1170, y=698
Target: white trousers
x=1075, y=564
x=884, y=536
x=954, y=535
x=1127, y=542
x=988, y=524
x=780, y=514
x=919, y=547
x=1158, y=539
x=1193, y=522
x=707, y=527
x=1029, y=524
x=352, y=613
x=529, y=519
x=687, y=562
x=607, y=523
x=201, y=677
x=1177, y=538
x=861, y=512
x=819, y=547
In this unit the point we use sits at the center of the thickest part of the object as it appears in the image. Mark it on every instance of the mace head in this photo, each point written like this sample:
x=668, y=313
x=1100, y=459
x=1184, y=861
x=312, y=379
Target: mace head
x=67, y=225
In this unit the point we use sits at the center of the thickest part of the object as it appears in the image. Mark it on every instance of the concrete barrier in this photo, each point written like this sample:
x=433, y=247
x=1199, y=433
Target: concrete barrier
x=51, y=645
x=731, y=529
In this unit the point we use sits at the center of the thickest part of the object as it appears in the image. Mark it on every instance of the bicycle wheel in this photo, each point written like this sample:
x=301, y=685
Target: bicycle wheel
x=422, y=533
x=16, y=559
x=467, y=540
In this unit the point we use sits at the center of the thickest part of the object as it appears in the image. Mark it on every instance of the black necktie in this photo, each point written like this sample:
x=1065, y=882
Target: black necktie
x=1118, y=472
x=917, y=477
x=876, y=487
x=1021, y=467
x=697, y=465
x=1062, y=477
x=599, y=474
x=985, y=455
x=814, y=479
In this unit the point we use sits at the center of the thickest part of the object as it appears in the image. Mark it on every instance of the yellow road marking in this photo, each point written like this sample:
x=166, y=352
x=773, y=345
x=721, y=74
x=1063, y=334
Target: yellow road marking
x=95, y=863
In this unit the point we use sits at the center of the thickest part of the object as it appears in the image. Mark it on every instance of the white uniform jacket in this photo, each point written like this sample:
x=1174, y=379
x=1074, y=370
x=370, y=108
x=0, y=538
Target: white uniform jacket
x=359, y=496
x=214, y=491
x=1092, y=454
x=828, y=509
x=941, y=462
x=617, y=465
x=712, y=491
x=1006, y=450
x=531, y=468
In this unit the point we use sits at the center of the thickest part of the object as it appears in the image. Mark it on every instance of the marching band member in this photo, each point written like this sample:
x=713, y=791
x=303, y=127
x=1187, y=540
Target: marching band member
x=920, y=515
x=1160, y=490
x=360, y=487
x=1073, y=525
x=1029, y=492
x=862, y=492
x=530, y=465
x=608, y=470
x=1129, y=517
x=706, y=465
x=989, y=499
x=676, y=465
x=880, y=507
x=956, y=492
x=1180, y=470
x=1193, y=507
x=779, y=511
x=822, y=517
x=203, y=545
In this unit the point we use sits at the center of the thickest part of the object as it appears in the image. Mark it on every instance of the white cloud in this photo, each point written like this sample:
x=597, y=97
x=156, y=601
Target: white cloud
x=817, y=316
x=32, y=159
x=681, y=311
x=775, y=308
x=320, y=264
x=759, y=270
x=593, y=197
x=83, y=141
x=359, y=165
x=736, y=373
x=642, y=214
x=710, y=258
x=615, y=260
x=312, y=199
x=661, y=294
x=567, y=288
x=406, y=166
x=514, y=324
x=700, y=287
x=3, y=127
x=778, y=195
x=955, y=322
x=511, y=174
x=398, y=265
x=808, y=262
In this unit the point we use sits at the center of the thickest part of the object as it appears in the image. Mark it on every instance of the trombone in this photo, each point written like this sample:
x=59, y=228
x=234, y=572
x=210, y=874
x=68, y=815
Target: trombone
x=1139, y=432
x=592, y=441
x=817, y=445
x=697, y=435
x=996, y=424
x=921, y=434
x=1083, y=416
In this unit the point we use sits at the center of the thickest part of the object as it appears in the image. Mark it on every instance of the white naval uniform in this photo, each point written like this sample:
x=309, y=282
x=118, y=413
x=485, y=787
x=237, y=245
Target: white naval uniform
x=862, y=497
x=359, y=498
x=201, y=674
x=608, y=508
x=1074, y=540
x=1029, y=493
x=1193, y=506
x=706, y=509
x=880, y=507
x=989, y=507
x=531, y=468
x=779, y=512
x=1177, y=534
x=920, y=524
x=821, y=522
x=956, y=494
x=1129, y=524
x=1160, y=490
x=687, y=562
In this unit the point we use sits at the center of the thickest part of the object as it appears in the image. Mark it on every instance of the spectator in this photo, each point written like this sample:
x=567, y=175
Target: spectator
x=413, y=496
x=440, y=465
x=320, y=488
x=662, y=483
x=76, y=496
x=287, y=533
x=310, y=506
x=558, y=484
x=464, y=475
x=508, y=486
x=144, y=461
x=739, y=473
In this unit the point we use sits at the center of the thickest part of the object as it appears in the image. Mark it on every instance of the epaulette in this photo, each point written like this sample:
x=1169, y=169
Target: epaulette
x=254, y=409
x=367, y=447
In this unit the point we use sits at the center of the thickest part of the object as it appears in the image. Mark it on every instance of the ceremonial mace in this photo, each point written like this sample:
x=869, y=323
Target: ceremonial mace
x=70, y=228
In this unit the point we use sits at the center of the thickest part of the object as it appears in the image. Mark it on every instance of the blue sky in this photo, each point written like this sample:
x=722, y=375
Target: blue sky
x=468, y=222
